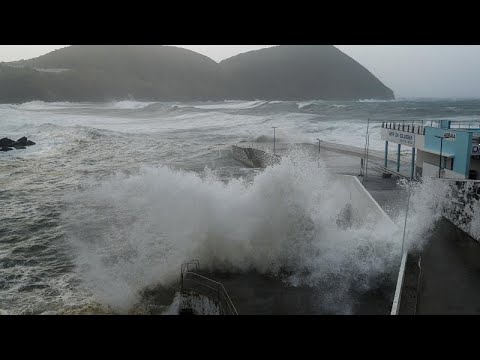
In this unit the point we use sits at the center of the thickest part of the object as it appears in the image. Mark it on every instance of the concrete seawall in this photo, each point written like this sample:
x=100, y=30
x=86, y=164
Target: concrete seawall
x=464, y=206
x=254, y=158
x=364, y=204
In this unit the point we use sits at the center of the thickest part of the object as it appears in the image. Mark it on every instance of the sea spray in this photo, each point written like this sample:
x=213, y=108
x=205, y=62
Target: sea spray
x=132, y=232
x=84, y=143
x=427, y=201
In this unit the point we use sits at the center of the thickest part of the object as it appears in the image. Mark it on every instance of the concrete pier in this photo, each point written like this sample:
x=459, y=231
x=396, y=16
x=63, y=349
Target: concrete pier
x=254, y=158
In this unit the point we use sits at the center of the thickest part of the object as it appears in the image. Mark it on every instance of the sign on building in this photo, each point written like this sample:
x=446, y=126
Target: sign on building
x=450, y=136
x=401, y=137
x=476, y=150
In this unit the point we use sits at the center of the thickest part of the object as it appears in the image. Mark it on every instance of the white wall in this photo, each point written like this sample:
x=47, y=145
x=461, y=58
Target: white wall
x=449, y=174
x=420, y=142
x=431, y=170
x=431, y=158
x=364, y=204
x=429, y=162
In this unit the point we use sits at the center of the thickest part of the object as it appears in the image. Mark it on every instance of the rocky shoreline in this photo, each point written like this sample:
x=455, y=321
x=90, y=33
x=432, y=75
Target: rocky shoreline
x=7, y=144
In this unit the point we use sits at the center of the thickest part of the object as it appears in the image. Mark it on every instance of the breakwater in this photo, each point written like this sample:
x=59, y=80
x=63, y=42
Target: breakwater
x=253, y=157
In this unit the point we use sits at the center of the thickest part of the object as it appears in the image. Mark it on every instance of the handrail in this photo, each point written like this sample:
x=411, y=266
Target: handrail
x=185, y=266
x=219, y=288
x=389, y=171
x=417, y=126
x=412, y=126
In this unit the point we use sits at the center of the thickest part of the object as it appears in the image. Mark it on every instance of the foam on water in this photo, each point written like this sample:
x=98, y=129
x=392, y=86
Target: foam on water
x=375, y=101
x=230, y=105
x=128, y=105
x=131, y=230
x=41, y=105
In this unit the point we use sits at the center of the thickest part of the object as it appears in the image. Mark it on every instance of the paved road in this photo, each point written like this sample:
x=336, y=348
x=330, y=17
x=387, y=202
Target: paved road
x=450, y=275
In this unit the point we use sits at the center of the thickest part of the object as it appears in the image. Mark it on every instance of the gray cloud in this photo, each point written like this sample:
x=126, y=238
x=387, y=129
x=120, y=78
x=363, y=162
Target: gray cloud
x=422, y=70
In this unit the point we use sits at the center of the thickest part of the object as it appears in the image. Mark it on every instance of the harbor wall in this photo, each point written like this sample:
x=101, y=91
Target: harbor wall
x=364, y=204
x=463, y=207
x=253, y=157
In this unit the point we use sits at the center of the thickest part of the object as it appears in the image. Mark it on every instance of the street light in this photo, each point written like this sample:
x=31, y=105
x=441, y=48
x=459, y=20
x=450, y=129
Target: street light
x=440, y=163
x=274, y=138
x=318, y=145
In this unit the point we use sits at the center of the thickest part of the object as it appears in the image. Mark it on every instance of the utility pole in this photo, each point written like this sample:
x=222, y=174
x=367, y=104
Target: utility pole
x=367, y=144
x=274, y=139
x=318, y=145
x=440, y=162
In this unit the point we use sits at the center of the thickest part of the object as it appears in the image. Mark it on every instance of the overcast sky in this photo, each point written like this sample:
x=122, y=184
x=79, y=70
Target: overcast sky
x=409, y=70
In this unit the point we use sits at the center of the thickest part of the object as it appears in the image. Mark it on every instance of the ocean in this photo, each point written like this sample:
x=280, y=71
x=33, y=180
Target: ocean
x=115, y=196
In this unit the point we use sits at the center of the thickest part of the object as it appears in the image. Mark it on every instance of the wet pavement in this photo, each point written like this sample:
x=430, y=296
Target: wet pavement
x=450, y=273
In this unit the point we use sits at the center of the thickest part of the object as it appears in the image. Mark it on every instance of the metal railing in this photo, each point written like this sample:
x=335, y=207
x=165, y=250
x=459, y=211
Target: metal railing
x=193, y=281
x=469, y=125
x=414, y=127
x=418, y=126
x=194, y=263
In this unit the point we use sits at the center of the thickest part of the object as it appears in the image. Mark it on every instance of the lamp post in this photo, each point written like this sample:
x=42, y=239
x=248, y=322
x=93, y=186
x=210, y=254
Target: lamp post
x=440, y=163
x=318, y=145
x=274, y=139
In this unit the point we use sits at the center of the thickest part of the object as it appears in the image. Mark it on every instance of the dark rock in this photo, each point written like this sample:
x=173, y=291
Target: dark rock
x=22, y=141
x=6, y=142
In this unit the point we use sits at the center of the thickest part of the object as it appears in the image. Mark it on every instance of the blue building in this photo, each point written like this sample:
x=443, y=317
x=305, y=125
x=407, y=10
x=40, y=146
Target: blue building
x=443, y=149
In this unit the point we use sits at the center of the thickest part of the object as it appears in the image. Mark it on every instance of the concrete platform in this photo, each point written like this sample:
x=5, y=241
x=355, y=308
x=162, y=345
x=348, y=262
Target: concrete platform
x=256, y=294
x=450, y=273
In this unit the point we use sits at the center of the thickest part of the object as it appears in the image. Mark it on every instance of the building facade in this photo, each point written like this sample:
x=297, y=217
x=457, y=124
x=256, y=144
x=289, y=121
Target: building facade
x=438, y=150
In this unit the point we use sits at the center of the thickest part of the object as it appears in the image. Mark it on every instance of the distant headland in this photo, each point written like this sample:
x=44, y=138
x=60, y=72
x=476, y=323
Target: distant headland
x=165, y=73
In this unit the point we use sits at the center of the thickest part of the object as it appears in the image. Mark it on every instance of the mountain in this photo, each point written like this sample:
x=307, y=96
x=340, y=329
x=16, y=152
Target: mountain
x=103, y=73
x=166, y=73
x=301, y=72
